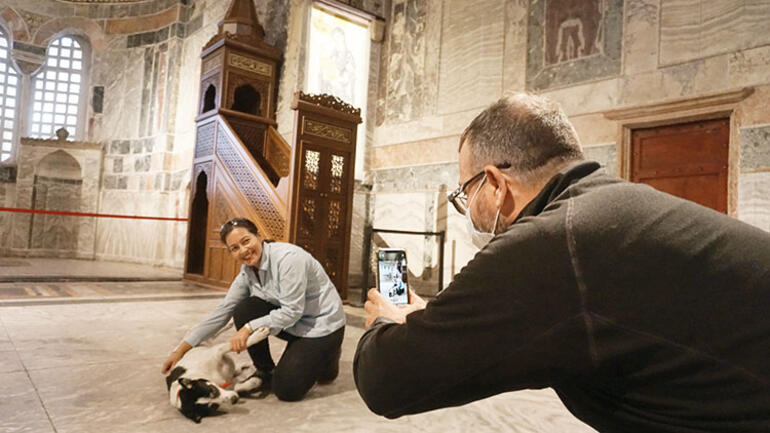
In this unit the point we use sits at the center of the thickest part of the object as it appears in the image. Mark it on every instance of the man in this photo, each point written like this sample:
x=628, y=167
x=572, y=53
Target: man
x=643, y=311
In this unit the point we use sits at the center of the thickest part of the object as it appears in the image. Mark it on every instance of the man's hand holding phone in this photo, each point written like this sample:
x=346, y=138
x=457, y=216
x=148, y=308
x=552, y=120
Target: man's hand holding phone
x=379, y=306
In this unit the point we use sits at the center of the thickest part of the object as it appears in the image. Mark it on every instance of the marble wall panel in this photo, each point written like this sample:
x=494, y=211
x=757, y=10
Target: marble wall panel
x=414, y=211
x=122, y=94
x=426, y=128
x=414, y=198
x=755, y=110
x=294, y=64
x=424, y=211
x=594, y=129
x=749, y=67
x=606, y=155
x=362, y=215
x=755, y=148
x=573, y=41
x=364, y=154
x=428, y=177
x=689, y=79
x=640, y=36
x=141, y=241
x=694, y=29
x=587, y=98
x=754, y=199
x=439, y=150
x=471, y=54
x=515, y=51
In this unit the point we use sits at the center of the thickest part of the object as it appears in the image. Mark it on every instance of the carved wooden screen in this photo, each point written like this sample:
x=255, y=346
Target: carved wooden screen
x=323, y=210
x=322, y=192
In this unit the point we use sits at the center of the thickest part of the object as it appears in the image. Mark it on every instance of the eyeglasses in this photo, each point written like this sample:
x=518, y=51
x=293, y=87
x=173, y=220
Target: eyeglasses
x=459, y=198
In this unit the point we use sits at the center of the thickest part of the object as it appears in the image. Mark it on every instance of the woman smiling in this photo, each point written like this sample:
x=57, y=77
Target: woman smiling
x=282, y=287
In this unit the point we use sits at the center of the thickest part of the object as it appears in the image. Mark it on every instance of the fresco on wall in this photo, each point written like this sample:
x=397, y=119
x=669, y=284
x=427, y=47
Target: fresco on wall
x=338, y=64
x=572, y=41
x=406, y=63
x=338, y=58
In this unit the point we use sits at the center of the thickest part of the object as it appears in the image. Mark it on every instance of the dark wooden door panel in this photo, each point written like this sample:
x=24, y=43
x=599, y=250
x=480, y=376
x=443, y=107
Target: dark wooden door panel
x=687, y=160
x=704, y=189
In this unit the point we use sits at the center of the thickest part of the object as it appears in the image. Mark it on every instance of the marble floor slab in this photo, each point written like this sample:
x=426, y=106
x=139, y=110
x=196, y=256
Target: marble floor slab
x=29, y=292
x=95, y=367
x=20, y=407
x=42, y=269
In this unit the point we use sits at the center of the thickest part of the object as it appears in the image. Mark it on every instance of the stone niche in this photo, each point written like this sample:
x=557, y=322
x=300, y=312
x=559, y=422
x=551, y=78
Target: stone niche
x=56, y=175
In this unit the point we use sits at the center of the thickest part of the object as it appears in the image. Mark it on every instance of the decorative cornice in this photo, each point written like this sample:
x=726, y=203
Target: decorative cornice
x=329, y=101
x=678, y=105
x=60, y=144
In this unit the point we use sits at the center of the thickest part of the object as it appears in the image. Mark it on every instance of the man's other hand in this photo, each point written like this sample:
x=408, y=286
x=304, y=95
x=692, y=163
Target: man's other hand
x=379, y=306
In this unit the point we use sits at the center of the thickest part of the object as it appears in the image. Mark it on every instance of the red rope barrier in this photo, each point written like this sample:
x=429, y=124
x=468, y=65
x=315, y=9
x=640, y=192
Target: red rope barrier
x=98, y=215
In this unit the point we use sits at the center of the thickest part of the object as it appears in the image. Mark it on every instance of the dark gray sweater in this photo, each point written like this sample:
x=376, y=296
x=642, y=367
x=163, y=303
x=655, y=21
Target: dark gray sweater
x=643, y=311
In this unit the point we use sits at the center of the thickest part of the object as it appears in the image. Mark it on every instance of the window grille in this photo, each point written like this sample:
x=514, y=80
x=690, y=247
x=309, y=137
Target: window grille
x=57, y=90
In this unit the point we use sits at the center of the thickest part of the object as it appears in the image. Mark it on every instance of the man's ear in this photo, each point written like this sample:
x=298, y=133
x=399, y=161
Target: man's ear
x=499, y=181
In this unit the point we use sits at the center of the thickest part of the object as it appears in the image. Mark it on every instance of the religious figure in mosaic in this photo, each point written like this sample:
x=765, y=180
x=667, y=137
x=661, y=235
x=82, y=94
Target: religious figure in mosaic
x=573, y=29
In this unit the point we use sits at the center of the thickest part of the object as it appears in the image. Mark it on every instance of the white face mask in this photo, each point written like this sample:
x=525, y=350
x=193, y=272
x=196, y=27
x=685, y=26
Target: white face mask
x=480, y=239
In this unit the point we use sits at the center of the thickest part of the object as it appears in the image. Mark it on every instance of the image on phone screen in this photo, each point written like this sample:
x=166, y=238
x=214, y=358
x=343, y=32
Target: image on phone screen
x=392, y=275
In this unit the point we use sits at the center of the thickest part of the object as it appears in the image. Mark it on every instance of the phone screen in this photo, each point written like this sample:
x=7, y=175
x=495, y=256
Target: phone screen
x=392, y=275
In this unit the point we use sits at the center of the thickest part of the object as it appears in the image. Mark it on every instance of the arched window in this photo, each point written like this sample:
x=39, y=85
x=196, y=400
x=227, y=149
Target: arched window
x=9, y=84
x=209, y=98
x=58, y=90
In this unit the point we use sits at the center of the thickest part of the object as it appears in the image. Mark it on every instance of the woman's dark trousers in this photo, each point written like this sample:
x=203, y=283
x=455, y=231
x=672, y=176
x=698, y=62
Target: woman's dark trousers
x=304, y=362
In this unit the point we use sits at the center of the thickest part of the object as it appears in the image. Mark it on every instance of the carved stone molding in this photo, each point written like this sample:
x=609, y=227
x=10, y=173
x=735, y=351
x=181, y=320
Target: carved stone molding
x=62, y=144
x=329, y=101
x=679, y=105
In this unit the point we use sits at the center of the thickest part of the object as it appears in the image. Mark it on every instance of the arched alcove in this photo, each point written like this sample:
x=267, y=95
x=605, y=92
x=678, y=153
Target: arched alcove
x=57, y=186
x=196, y=247
x=209, y=98
x=59, y=164
x=247, y=100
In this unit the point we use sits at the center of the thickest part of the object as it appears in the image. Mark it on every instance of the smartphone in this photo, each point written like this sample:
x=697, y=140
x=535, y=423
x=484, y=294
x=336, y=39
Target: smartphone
x=392, y=275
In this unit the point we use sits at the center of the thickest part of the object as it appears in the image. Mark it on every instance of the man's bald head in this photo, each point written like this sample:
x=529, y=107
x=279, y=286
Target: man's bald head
x=529, y=132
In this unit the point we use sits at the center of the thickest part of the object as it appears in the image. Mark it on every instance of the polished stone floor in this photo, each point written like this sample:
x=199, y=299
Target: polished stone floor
x=17, y=269
x=56, y=292
x=95, y=367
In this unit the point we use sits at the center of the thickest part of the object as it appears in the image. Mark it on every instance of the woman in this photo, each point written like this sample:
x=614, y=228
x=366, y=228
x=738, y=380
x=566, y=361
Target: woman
x=283, y=287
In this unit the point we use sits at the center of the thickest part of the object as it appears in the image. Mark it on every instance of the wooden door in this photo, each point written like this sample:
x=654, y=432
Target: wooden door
x=688, y=160
x=322, y=205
